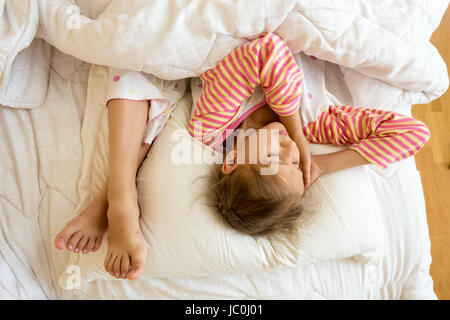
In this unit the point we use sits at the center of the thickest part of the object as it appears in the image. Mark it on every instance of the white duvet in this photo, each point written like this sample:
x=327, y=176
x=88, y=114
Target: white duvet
x=383, y=45
x=384, y=40
x=386, y=60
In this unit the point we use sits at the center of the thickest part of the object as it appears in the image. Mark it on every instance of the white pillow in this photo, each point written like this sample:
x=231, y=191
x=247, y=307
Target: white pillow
x=187, y=238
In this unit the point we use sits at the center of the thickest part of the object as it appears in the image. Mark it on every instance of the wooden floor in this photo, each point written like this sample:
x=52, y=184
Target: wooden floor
x=433, y=163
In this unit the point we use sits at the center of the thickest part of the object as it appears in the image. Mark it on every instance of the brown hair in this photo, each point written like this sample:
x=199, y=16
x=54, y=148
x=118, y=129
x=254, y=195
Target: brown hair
x=252, y=203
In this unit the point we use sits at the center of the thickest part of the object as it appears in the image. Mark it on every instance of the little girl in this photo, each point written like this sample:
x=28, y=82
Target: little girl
x=255, y=203
x=138, y=107
x=251, y=202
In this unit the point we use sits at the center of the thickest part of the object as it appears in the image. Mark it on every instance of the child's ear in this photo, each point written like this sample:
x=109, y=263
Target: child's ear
x=230, y=163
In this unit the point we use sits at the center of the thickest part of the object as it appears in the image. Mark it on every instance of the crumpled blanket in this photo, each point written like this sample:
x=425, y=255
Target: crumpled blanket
x=379, y=44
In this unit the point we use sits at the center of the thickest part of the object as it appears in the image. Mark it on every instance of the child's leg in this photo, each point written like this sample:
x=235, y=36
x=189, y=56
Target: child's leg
x=84, y=233
x=127, y=249
x=127, y=121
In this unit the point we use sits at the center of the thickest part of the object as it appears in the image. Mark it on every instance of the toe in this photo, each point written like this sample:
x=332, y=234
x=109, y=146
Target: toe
x=98, y=243
x=116, y=267
x=125, y=266
x=111, y=264
x=81, y=244
x=137, y=265
x=64, y=235
x=89, y=245
x=60, y=243
x=73, y=241
x=107, y=259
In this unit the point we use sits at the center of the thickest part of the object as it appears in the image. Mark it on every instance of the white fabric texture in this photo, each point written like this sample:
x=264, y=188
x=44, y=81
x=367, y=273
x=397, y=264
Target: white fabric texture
x=39, y=167
x=24, y=63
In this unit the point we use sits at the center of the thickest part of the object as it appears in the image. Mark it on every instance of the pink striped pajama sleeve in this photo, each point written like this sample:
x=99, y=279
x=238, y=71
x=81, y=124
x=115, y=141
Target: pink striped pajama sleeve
x=266, y=62
x=381, y=137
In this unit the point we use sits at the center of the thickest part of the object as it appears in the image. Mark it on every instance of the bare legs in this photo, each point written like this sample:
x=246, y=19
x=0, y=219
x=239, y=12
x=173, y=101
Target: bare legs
x=115, y=207
x=127, y=250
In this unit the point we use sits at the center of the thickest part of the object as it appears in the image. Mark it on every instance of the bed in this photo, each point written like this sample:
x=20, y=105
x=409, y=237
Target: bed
x=41, y=164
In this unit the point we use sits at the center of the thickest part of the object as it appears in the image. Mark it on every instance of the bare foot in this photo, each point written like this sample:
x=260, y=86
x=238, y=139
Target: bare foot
x=84, y=233
x=127, y=249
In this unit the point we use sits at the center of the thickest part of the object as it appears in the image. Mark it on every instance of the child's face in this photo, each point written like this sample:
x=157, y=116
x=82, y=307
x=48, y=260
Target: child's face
x=274, y=152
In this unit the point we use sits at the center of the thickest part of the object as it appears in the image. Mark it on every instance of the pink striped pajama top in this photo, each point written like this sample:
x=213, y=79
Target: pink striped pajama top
x=381, y=137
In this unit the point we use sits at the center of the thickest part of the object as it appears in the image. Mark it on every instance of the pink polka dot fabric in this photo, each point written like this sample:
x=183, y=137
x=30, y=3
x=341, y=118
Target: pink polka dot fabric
x=138, y=86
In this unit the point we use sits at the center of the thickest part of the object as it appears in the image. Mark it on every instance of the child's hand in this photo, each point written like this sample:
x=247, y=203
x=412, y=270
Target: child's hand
x=293, y=124
x=316, y=170
x=305, y=161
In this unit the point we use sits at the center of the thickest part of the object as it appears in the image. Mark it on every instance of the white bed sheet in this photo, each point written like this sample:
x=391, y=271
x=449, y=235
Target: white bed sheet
x=40, y=156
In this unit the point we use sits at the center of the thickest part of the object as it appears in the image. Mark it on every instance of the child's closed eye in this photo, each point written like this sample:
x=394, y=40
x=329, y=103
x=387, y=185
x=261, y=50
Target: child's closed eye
x=276, y=157
x=273, y=157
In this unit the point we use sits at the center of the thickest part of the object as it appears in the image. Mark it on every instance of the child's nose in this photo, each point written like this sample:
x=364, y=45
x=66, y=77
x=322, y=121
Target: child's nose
x=291, y=150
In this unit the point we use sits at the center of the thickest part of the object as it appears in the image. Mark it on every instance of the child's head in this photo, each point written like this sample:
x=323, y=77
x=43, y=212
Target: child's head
x=264, y=195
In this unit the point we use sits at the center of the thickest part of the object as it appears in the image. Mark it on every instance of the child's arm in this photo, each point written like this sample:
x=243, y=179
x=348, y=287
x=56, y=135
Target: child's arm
x=374, y=136
x=332, y=162
x=293, y=124
x=266, y=62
